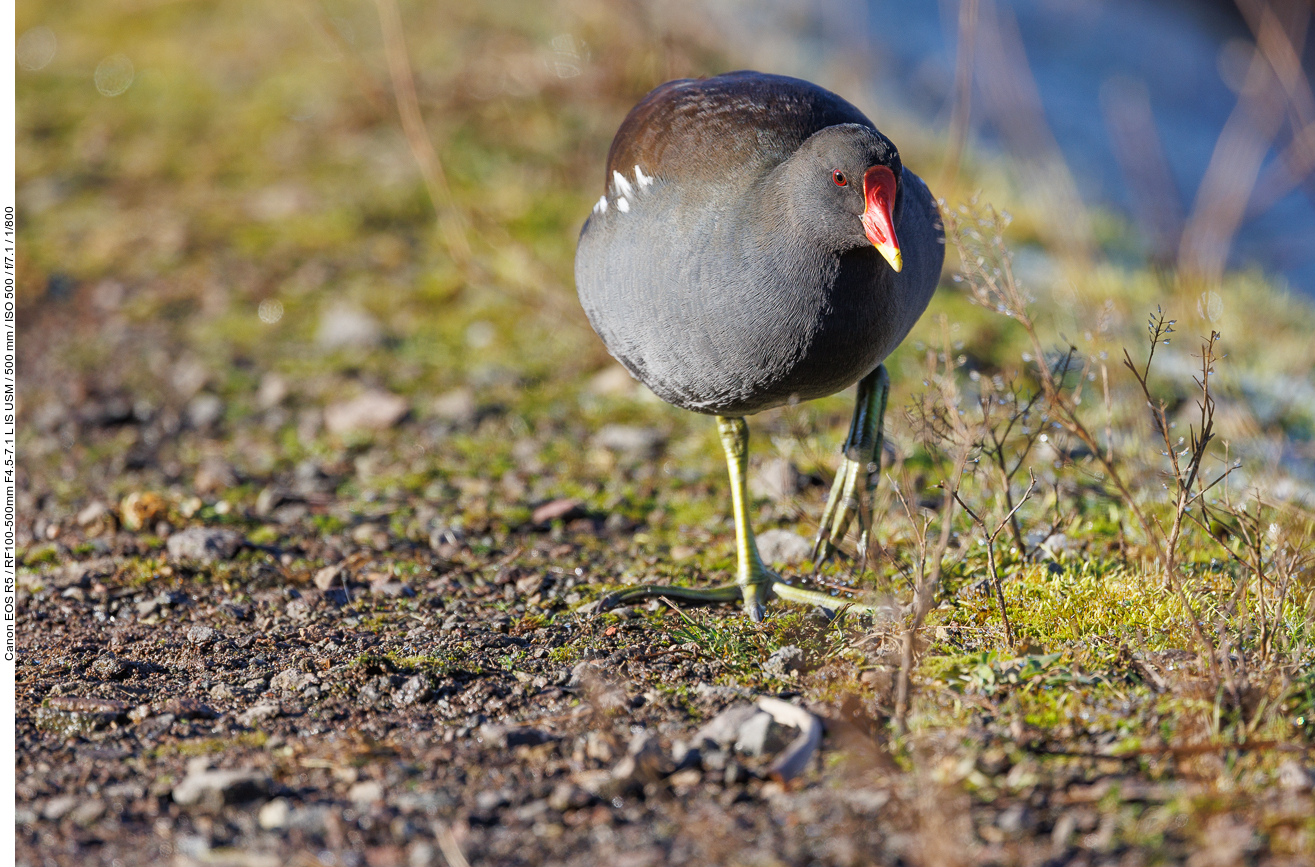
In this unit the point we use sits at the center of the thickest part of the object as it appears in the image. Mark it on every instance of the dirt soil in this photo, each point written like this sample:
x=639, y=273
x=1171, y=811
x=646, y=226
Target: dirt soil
x=360, y=698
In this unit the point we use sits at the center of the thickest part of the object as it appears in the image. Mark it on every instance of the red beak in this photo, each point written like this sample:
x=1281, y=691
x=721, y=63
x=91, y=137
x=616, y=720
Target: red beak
x=878, y=225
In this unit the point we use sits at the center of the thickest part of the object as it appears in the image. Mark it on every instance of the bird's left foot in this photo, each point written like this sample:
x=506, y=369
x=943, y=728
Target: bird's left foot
x=753, y=588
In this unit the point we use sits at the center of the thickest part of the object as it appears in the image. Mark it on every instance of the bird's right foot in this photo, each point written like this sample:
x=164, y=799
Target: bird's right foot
x=862, y=460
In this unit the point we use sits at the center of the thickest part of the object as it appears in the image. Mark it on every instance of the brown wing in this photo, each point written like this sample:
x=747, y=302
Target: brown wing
x=703, y=128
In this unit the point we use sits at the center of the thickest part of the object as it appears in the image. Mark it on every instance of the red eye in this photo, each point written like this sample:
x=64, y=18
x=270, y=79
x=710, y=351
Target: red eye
x=839, y=177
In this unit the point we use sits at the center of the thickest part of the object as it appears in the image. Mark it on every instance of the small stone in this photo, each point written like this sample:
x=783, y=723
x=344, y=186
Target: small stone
x=310, y=819
x=372, y=411
x=292, y=680
x=213, y=476
x=204, y=410
x=685, y=755
x=366, y=793
x=221, y=692
x=686, y=778
x=189, y=377
x=414, y=690
x=258, y=713
x=348, y=327
x=716, y=760
x=422, y=802
x=327, y=578
x=636, y=441
x=615, y=381
x=761, y=735
x=785, y=662
x=110, y=667
x=558, y=510
x=189, y=708
x=723, y=730
x=1015, y=820
x=598, y=746
x=209, y=789
x=199, y=634
x=95, y=511
x=422, y=853
x=599, y=784
x=733, y=774
x=490, y=800
x=456, y=406
x=1293, y=777
x=58, y=807
x=502, y=737
x=273, y=389
x=716, y=690
x=392, y=589
x=205, y=544
x=298, y=609
x=582, y=674
x=776, y=480
x=88, y=812
x=644, y=762
x=269, y=499
x=274, y=816
x=783, y=547
x=568, y=796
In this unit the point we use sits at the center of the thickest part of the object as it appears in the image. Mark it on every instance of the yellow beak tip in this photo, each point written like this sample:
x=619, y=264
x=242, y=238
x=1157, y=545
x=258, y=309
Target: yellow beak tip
x=895, y=259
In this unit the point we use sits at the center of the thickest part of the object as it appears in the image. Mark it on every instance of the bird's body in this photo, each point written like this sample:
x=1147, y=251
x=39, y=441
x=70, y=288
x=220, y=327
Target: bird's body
x=758, y=242
x=709, y=273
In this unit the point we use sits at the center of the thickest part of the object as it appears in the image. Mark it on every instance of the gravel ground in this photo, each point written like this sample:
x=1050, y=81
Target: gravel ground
x=393, y=707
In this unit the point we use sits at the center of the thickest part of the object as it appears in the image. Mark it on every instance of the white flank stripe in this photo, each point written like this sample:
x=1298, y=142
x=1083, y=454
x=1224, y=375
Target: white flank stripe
x=623, y=205
x=601, y=207
x=622, y=185
x=643, y=179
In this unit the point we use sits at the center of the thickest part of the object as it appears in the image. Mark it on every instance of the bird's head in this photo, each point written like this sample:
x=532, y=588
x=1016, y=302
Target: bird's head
x=846, y=180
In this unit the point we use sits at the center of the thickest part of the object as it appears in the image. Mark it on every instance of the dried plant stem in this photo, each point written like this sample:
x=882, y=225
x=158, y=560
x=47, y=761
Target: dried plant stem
x=373, y=92
x=422, y=148
x=988, y=271
x=924, y=594
x=958, y=435
x=990, y=550
x=1231, y=176
x=448, y=845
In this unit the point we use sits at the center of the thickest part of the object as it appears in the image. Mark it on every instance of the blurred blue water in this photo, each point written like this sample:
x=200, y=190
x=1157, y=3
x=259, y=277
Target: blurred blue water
x=1074, y=47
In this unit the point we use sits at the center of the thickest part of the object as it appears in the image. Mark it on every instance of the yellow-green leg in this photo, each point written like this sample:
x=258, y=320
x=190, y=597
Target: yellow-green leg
x=752, y=579
x=754, y=583
x=751, y=576
x=862, y=459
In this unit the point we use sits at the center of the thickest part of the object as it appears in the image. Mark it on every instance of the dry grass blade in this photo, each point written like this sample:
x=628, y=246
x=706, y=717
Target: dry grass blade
x=413, y=125
x=1140, y=152
x=961, y=112
x=448, y=845
x=1221, y=199
x=1011, y=98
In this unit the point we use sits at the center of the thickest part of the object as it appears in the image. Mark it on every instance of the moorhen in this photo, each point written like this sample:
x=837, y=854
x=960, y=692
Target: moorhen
x=758, y=242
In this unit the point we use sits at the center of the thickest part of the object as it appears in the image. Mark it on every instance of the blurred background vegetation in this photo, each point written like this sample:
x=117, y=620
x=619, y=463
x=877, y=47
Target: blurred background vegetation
x=226, y=224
